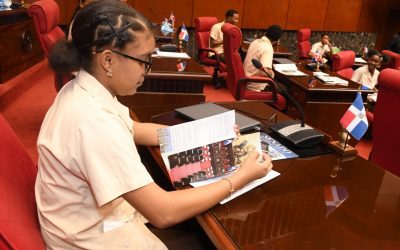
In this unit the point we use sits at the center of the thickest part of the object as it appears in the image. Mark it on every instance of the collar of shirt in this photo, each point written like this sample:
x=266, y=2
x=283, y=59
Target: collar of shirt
x=96, y=90
x=265, y=39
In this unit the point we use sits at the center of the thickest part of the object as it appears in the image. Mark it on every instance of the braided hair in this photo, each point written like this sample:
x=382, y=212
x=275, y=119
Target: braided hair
x=99, y=25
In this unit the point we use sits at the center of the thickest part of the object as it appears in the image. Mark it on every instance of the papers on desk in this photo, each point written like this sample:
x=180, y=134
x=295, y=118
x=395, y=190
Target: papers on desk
x=165, y=54
x=372, y=97
x=330, y=79
x=288, y=69
x=271, y=175
x=359, y=60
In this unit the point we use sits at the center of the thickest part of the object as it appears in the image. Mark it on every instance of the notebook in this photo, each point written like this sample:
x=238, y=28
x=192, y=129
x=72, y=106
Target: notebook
x=203, y=110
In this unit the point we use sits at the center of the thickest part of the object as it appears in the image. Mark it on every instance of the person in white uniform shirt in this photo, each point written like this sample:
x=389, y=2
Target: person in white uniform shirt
x=323, y=48
x=92, y=191
x=367, y=75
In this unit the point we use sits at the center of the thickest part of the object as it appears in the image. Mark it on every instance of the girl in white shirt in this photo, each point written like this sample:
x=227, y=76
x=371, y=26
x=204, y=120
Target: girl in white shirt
x=92, y=191
x=368, y=75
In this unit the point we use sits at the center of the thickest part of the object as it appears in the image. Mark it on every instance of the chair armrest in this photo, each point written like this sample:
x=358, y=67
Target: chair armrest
x=257, y=79
x=208, y=50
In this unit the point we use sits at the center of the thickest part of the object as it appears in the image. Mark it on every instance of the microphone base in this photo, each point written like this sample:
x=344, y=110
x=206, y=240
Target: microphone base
x=301, y=137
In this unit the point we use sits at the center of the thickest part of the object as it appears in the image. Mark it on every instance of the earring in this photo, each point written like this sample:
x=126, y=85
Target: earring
x=109, y=73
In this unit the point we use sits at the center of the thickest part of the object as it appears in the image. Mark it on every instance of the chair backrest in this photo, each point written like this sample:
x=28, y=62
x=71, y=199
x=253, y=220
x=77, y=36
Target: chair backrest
x=303, y=42
x=203, y=26
x=342, y=63
x=45, y=14
x=394, y=60
x=232, y=43
x=19, y=226
x=385, y=134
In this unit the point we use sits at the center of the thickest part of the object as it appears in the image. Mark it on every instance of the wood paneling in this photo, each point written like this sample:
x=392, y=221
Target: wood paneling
x=306, y=14
x=157, y=10
x=261, y=14
x=373, y=15
x=217, y=8
x=342, y=15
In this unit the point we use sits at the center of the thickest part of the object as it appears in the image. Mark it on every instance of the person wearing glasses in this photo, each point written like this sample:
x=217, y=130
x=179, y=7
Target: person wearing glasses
x=92, y=190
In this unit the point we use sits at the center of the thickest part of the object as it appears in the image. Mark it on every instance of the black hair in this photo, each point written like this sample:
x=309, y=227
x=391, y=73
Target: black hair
x=273, y=32
x=324, y=34
x=99, y=25
x=230, y=13
x=373, y=52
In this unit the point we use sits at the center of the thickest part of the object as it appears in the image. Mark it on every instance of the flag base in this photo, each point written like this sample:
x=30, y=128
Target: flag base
x=338, y=147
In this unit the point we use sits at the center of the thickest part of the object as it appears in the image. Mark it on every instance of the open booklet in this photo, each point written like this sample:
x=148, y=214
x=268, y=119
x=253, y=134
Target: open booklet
x=204, y=150
x=327, y=79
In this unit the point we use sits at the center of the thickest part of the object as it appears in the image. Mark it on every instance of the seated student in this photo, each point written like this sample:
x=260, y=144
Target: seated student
x=368, y=75
x=92, y=191
x=323, y=48
x=262, y=50
x=394, y=43
x=216, y=35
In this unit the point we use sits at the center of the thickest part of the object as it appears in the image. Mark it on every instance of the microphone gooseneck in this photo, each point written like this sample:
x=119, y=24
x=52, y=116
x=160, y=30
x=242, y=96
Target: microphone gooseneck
x=259, y=66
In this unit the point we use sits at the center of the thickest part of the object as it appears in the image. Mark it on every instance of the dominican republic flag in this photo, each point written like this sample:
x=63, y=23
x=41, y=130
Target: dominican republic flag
x=334, y=197
x=316, y=57
x=363, y=87
x=181, y=66
x=355, y=120
x=184, y=35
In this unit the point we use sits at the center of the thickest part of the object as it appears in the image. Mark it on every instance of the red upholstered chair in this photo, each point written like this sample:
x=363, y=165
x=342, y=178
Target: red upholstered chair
x=394, y=61
x=45, y=15
x=303, y=43
x=385, y=135
x=236, y=79
x=19, y=226
x=203, y=26
x=342, y=63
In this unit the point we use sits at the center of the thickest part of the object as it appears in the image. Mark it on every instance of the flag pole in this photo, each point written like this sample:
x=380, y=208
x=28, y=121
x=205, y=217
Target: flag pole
x=347, y=139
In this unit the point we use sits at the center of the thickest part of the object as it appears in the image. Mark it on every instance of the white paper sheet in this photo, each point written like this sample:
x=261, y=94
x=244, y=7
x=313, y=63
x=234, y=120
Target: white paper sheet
x=180, y=55
x=271, y=175
x=288, y=69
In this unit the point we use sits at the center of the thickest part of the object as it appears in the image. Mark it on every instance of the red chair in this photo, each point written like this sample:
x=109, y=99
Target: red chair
x=203, y=26
x=45, y=15
x=303, y=43
x=342, y=63
x=385, y=135
x=394, y=61
x=19, y=225
x=236, y=79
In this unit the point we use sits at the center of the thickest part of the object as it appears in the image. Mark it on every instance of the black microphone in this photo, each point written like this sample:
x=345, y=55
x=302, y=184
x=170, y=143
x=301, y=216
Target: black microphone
x=300, y=135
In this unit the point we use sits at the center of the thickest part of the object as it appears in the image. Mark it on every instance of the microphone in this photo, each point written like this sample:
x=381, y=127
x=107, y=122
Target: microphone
x=300, y=134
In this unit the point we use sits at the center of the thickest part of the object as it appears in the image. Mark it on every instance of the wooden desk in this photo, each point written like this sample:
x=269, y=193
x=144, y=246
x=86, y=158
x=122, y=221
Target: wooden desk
x=289, y=212
x=165, y=88
x=19, y=46
x=279, y=51
x=323, y=104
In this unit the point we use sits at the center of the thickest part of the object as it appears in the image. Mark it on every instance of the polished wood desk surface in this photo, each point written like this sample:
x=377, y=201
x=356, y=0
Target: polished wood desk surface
x=167, y=67
x=289, y=212
x=279, y=50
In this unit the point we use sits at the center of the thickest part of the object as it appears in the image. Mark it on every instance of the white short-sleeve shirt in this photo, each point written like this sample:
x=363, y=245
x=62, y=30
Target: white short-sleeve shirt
x=87, y=160
x=320, y=48
x=217, y=35
x=262, y=50
x=364, y=77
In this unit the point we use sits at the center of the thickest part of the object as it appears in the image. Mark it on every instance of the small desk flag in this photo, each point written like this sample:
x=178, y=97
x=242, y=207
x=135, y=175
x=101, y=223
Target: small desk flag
x=184, y=35
x=355, y=120
x=181, y=66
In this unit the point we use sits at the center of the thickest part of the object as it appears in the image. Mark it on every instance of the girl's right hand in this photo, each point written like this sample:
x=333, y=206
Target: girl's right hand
x=253, y=169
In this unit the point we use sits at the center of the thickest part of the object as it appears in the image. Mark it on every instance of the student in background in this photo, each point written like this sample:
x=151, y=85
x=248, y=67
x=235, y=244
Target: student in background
x=262, y=50
x=394, y=43
x=216, y=35
x=92, y=190
x=368, y=75
x=323, y=48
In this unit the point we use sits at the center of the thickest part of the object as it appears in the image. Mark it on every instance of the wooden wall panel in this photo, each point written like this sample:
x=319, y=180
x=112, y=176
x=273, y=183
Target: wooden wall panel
x=373, y=15
x=157, y=10
x=217, y=8
x=306, y=14
x=260, y=14
x=343, y=15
